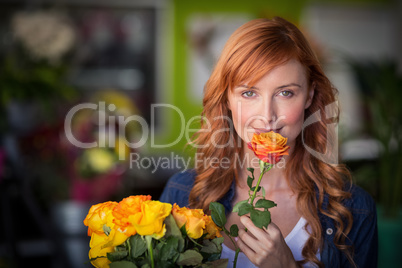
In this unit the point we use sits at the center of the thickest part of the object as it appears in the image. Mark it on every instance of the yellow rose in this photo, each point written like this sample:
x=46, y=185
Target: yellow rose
x=150, y=220
x=192, y=218
x=112, y=239
x=126, y=210
x=100, y=253
x=211, y=229
x=98, y=216
x=103, y=235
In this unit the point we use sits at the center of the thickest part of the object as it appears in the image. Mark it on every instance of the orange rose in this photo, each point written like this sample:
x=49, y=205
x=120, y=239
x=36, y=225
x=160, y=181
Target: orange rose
x=98, y=216
x=104, y=237
x=192, y=218
x=125, y=211
x=269, y=147
x=211, y=229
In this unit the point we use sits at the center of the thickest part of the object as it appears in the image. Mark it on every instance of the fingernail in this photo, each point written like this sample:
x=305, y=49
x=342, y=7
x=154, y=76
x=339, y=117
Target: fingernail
x=236, y=238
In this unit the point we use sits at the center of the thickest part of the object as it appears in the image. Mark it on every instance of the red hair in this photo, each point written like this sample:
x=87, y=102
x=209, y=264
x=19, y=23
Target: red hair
x=253, y=50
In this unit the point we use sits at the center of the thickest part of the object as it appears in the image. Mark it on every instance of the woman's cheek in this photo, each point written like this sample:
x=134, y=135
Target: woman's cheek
x=241, y=122
x=294, y=119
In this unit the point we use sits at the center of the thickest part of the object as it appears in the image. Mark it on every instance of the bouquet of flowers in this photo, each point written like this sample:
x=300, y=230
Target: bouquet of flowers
x=140, y=232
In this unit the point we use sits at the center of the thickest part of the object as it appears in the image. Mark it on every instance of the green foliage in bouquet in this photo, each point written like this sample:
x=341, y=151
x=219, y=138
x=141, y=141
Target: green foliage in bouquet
x=174, y=249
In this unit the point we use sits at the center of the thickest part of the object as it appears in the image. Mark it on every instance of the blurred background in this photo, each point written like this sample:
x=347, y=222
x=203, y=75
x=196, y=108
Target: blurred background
x=96, y=98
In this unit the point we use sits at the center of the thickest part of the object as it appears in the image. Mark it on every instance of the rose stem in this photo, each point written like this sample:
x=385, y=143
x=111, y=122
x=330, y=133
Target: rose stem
x=259, y=180
x=148, y=239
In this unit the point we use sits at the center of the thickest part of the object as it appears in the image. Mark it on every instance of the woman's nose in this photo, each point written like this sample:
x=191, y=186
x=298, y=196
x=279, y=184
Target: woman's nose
x=268, y=111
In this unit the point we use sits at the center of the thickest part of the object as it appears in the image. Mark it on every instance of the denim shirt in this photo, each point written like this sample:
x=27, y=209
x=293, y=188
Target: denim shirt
x=363, y=235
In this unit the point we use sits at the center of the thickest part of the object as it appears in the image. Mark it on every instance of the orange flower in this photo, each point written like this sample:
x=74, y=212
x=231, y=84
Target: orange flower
x=126, y=210
x=192, y=218
x=98, y=216
x=211, y=229
x=104, y=237
x=269, y=147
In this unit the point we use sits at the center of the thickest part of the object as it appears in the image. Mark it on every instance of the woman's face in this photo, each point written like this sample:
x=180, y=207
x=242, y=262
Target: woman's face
x=276, y=102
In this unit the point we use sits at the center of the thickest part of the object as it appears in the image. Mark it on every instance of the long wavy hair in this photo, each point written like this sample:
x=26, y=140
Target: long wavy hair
x=253, y=50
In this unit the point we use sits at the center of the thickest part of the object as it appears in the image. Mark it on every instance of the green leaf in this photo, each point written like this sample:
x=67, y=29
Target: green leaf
x=183, y=230
x=251, y=170
x=165, y=264
x=263, y=192
x=221, y=263
x=169, y=250
x=244, y=208
x=238, y=204
x=218, y=213
x=189, y=257
x=117, y=255
x=106, y=229
x=265, y=203
x=250, y=181
x=234, y=230
x=138, y=246
x=260, y=218
x=218, y=242
x=267, y=167
x=253, y=188
x=209, y=247
x=173, y=230
x=171, y=227
x=122, y=264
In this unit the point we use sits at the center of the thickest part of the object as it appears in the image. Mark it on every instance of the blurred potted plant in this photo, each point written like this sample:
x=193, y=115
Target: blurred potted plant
x=381, y=85
x=34, y=65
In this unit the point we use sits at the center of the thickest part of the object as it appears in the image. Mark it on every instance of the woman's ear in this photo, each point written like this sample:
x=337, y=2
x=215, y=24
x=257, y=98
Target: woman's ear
x=310, y=95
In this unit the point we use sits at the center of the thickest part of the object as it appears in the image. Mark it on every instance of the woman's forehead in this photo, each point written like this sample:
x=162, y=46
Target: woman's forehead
x=291, y=69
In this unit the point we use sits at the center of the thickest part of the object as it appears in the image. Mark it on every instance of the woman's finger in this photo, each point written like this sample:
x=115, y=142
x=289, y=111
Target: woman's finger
x=257, y=232
x=244, y=247
x=273, y=231
x=247, y=244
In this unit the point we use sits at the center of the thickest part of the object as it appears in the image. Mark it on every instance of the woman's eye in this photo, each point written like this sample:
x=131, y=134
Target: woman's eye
x=248, y=94
x=286, y=93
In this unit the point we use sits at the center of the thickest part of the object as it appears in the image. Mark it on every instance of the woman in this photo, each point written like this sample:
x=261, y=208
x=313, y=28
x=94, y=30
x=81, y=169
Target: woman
x=269, y=79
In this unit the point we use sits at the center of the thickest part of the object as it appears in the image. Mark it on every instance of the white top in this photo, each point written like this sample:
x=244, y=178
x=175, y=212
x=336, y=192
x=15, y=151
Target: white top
x=295, y=241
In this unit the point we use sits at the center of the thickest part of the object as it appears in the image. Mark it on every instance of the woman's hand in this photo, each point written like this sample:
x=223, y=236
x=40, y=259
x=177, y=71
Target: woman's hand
x=267, y=248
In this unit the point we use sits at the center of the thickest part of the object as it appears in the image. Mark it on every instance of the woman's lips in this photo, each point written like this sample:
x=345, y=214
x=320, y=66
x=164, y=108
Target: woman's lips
x=264, y=130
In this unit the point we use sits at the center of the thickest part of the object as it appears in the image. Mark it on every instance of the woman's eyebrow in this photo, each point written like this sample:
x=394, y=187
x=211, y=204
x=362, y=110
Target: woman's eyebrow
x=280, y=87
x=289, y=85
x=248, y=87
